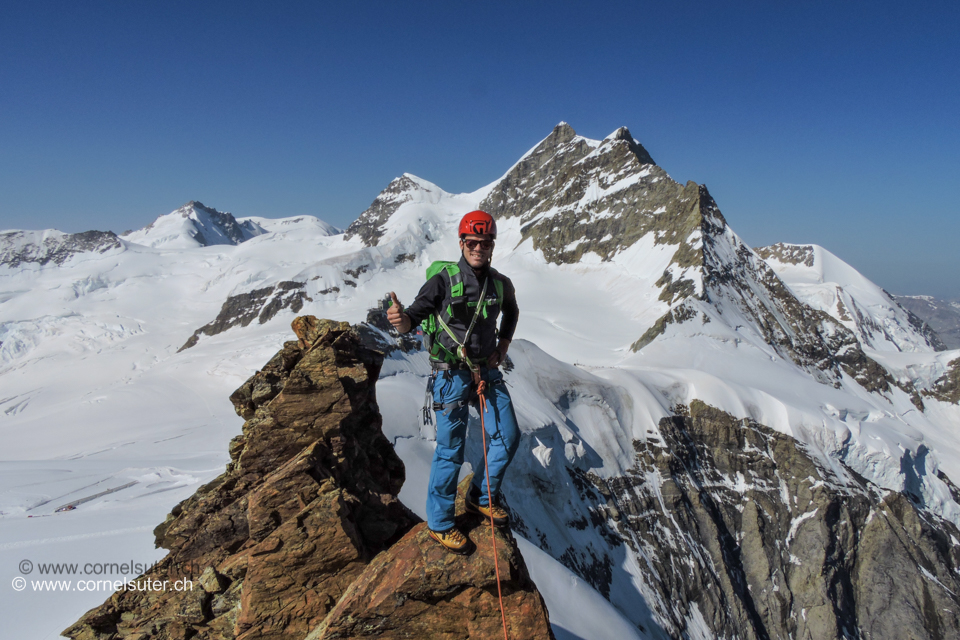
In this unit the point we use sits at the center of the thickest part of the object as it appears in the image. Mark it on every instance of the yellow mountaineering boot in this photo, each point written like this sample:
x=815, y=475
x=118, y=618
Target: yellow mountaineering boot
x=453, y=540
x=500, y=517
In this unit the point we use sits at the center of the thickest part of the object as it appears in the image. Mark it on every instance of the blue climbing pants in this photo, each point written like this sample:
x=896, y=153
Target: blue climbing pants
x=503, y=438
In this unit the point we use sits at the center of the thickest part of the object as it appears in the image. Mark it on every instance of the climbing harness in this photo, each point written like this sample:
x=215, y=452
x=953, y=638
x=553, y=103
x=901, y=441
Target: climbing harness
x=481, y=387
x=461, y=352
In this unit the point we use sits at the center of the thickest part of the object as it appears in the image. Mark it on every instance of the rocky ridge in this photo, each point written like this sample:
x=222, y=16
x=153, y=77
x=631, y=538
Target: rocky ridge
x=737, y=282
x=368, y=224
x=849, y=311
x=18, y=248
x=260, y=304
x=303, y=533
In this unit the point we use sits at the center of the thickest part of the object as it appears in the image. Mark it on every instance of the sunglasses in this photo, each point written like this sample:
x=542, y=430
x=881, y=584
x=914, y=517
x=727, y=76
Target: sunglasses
x=483, y=244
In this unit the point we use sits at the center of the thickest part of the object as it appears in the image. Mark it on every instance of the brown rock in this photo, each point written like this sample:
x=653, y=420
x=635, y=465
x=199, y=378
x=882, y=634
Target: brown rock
x=418, y=589
x=307, y=502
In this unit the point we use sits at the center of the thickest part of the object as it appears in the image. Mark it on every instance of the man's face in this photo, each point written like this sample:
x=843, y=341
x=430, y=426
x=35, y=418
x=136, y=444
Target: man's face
x=477, y=250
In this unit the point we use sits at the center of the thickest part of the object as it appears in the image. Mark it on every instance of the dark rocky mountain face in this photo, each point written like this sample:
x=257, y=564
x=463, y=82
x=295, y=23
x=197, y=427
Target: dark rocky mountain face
x=770, y=544
x=260, y=304
x=943, y=316
x=573, y=197
x=303, y=532
x=25, y=247
x=740, y=528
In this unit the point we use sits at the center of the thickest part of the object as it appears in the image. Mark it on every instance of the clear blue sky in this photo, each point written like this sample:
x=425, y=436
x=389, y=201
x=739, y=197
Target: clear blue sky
x=834, y=123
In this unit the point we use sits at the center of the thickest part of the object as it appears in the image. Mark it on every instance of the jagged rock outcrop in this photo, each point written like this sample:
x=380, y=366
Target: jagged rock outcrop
x=788, y=253
x=307, y=502
x=45, y=247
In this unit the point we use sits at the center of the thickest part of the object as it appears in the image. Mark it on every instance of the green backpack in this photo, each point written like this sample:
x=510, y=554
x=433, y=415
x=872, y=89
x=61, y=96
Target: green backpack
x=436, y=323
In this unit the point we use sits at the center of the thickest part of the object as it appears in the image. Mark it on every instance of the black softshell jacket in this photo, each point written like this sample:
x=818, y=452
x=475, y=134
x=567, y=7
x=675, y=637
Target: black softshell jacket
x=434, y=295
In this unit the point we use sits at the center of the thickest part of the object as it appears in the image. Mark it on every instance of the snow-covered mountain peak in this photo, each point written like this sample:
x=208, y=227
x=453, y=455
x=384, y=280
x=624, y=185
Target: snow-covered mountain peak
x=580, y=174
x=372, y=225
x=284, y=226
x=194, y=225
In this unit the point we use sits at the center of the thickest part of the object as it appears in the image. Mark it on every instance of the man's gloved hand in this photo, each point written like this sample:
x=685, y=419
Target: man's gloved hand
x=397, y=317
x=499, y=354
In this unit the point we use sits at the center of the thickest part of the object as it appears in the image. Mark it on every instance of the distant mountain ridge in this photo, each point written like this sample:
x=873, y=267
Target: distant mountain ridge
x=943, y=316
x=45, y=247
x=194, y=224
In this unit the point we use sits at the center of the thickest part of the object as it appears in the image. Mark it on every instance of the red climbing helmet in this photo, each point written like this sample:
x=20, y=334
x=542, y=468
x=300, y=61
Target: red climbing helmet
x=478, y=223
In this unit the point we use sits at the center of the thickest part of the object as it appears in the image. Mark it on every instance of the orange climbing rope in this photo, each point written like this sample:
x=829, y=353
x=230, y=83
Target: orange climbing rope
x=481, y=387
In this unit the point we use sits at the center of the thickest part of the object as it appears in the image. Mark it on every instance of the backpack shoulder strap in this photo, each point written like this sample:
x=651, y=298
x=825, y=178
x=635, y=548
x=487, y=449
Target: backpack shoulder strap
x=455, y=278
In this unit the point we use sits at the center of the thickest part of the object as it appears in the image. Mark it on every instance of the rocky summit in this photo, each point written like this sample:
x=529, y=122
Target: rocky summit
x=576, y=196
x=388, y=599
x=303, y=534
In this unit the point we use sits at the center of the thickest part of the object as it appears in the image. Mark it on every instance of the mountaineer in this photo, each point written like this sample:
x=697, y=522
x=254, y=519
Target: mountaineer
x=458, y=307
